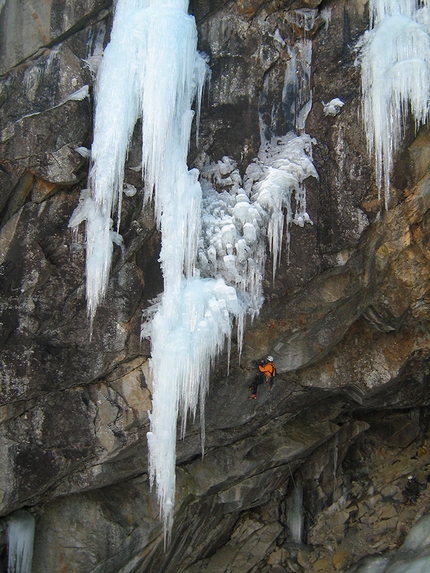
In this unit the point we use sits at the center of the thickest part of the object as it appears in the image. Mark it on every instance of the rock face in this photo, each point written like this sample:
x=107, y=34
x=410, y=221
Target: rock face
x=347, y=318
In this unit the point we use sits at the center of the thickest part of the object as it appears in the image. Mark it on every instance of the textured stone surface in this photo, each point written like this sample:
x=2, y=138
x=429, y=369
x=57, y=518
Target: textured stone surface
x=29, y=28
x=347, y=319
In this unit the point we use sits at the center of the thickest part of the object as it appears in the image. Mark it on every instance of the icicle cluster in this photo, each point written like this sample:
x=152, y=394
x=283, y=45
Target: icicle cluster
x=395, y=78
x=187, y=333
x=239, y=217
x=288, y=162
x=232, y=244
x=194, y=319
x=150, y=70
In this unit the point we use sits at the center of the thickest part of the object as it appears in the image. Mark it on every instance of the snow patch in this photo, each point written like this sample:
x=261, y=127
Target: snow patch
x=333, y=107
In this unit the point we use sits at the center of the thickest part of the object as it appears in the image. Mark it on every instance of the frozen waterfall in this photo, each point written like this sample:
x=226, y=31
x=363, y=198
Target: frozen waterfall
x=20, y=536
x=395, y=61
x=295, y=513
x=151, y=70
x=213, y=240
x=147, y=36
x=297, y=96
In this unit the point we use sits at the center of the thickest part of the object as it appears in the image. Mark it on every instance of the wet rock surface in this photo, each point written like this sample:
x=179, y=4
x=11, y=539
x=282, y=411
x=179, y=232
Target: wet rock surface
x=347, y=318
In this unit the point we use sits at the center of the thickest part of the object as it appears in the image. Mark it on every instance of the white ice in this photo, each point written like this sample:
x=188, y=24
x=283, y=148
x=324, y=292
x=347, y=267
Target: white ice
x=20, y=537
x=395, y=61
x=333, y=107
x=151, y=70
x=287, y=163
x=380, y=9
x=83, y=151
x=239, y=218
x=213, y=241
x=295, y=514
x=187, y=334
x=412, y=557
x=78, y=95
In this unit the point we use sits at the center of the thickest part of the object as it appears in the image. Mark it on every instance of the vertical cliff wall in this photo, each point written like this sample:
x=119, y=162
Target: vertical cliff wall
x=346, y=318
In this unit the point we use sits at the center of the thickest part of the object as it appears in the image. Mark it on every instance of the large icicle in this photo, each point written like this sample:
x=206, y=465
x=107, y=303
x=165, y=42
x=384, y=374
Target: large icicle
x=151, y=69
x=188, y=332
x=20, y=537
x=395, y=79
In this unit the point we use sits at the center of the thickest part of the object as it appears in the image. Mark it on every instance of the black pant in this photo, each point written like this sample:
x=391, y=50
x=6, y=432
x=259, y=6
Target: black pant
x=412, y=492
x=260, y=379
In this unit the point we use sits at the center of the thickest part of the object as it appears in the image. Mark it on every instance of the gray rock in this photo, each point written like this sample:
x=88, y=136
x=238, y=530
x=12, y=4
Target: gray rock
x=346, y=318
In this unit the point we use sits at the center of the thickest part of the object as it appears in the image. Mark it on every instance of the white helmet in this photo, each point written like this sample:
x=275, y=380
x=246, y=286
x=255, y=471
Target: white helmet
x=269, y=359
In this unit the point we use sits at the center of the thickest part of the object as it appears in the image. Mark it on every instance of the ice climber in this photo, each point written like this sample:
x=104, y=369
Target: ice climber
x=267, y=372
x=412, y=490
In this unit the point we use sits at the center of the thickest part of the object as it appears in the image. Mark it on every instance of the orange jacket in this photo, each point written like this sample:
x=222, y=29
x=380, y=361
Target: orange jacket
x=267, y=369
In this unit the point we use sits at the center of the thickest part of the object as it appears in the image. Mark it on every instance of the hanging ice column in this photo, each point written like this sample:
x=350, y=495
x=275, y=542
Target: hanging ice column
x=297, y=96
x=395, y=79
x=295, y=514
x=151, y=69
x=20, y=537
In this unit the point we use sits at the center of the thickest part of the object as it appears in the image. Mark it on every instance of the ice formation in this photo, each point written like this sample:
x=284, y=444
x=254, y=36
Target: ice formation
x=146, y=35
x=395, y=61
x=333, y=107
x=151, y=70
x=95, y=48
x=213, y=239
x=194, y=320
x=20, y=536
x=295, y=513
x=297, y=96
x=412, y=557
x=240, y=217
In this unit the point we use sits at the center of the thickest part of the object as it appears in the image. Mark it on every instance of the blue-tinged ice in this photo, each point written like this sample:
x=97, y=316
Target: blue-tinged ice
x=380, y=9
x=297, y=91
x=412, y=557
x=395, y=61
x=151, y=70
x=241, y=217
x=20, y=537
x=213, y=249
